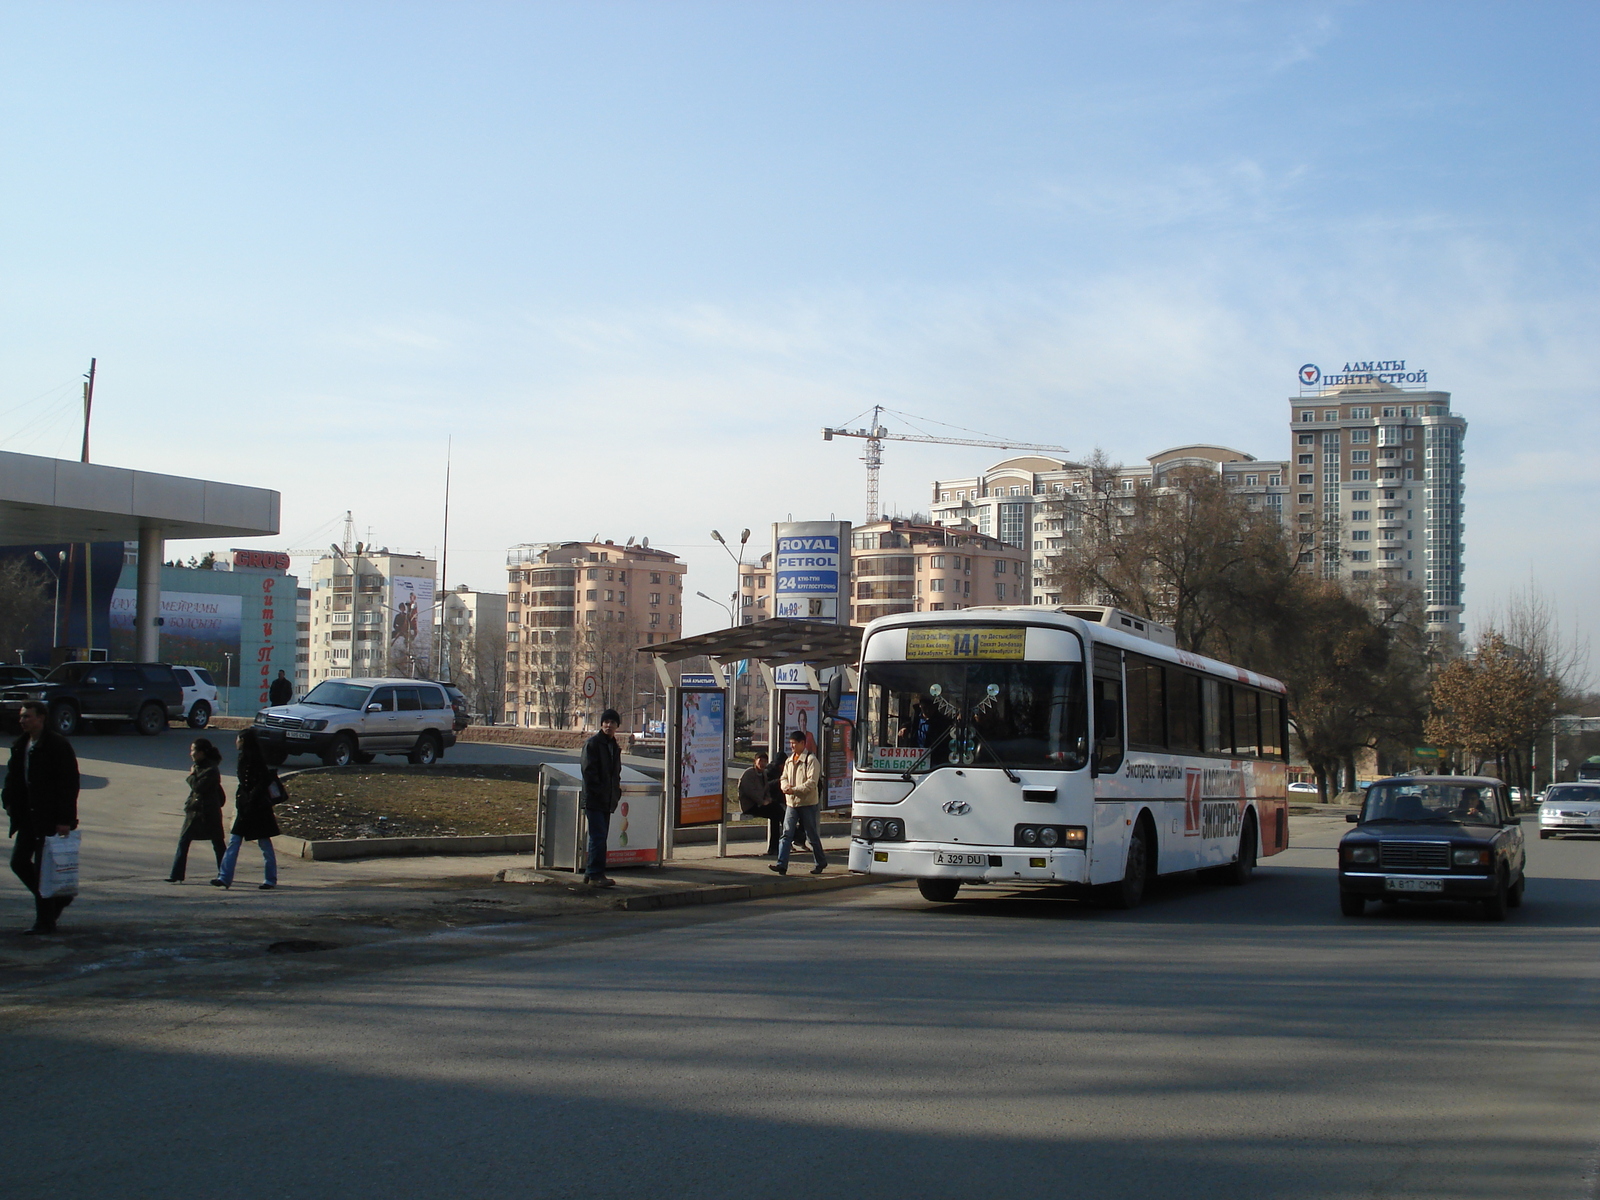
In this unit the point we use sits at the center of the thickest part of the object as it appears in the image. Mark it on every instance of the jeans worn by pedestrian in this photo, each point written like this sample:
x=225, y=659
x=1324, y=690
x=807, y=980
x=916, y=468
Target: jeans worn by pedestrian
x=230, y=860
x=794, y=821
x=180, y=861
x=599, y=821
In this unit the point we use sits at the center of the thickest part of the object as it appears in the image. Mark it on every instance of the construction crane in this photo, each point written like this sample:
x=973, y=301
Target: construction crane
x=876, y=434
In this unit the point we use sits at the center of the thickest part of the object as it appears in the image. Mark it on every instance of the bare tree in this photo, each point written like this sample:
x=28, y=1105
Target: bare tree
x=24, y=604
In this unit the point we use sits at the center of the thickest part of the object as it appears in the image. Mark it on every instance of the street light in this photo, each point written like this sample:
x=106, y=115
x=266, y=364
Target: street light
x=227, y=680
x=55, y=610
x=738, y=563
x=725, y=608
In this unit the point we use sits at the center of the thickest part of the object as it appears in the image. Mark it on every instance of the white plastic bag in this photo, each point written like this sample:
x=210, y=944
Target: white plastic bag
x=58, y=868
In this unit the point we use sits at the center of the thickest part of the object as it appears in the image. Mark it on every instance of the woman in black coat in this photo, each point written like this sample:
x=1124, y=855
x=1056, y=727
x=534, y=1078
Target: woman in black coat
x=202, y=811
x=257, y=792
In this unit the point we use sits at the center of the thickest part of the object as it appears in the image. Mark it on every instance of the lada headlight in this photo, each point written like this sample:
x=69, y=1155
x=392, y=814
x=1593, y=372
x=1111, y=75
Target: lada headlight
x=1471, y=857
x=1361, y=854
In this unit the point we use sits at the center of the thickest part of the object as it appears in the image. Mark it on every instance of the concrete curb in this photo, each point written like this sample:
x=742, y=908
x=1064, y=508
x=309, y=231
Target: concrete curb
x=399, y=847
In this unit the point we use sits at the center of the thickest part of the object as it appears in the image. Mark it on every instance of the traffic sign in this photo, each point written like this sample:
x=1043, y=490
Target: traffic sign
x=697, y=679
x=591, y=685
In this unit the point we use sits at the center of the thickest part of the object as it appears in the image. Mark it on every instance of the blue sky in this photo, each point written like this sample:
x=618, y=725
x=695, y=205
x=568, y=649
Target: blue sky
x=632, y=256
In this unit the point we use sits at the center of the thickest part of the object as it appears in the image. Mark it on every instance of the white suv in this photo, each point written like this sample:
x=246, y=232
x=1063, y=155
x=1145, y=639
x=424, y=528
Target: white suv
x=199, y=695
x=352, y=720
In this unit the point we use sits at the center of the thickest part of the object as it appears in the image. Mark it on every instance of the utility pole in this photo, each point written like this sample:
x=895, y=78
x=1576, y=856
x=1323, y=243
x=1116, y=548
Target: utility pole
x=442, y=667
x=88, y=547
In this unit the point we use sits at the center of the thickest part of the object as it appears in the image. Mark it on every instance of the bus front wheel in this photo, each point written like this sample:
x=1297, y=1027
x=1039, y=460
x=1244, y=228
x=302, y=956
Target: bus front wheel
x=941, y=891
x=1129, y=890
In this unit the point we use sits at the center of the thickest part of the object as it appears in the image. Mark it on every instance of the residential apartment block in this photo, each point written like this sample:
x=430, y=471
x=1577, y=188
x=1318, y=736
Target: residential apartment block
x=472, y=647
x=576, y=614
x=1377, y=492
x=1012, y=500
x=905, y=566
x=371, y=614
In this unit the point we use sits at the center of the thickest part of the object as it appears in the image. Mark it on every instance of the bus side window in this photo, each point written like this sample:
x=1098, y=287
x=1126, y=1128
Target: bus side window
x=1183, y=711
x=1107, y=725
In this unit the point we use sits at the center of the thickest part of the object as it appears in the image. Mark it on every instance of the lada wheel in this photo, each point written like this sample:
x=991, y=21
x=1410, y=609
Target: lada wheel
x=940, y=891
x=1514, y=896
x=1494, y=906
x=1352, y=905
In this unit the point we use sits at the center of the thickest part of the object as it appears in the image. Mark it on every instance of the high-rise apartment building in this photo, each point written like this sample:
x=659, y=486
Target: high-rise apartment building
x=1012, y=500
x=576, y=614
x=1377, y=489
x=302, y=641
x=472, y=648
x=371, y=615
x=906, y=566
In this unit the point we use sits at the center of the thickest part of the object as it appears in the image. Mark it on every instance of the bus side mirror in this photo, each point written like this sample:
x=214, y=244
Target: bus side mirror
x=830, y=699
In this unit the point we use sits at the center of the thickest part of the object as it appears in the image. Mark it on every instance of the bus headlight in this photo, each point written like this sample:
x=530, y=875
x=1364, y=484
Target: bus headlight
x=1071, y=837
x=875, y=828
x=1030, y=835
x=1048, y=836
x=894, y=831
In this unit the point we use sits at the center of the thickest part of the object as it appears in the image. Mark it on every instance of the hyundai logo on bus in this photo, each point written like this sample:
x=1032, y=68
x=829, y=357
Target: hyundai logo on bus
x=957, y=808
x=1382, y=370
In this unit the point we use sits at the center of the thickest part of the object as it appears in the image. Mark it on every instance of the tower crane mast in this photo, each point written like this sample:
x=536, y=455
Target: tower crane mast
x=876, y=434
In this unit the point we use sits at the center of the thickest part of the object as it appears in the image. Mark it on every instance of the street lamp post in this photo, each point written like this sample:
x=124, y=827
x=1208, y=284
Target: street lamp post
x=227, y=681
x=55, y=609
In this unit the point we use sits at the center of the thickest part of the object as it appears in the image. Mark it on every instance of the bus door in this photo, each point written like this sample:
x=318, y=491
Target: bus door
x=1109, y=834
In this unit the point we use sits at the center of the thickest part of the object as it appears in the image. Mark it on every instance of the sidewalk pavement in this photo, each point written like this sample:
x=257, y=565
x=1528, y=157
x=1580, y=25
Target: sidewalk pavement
x=697, y=876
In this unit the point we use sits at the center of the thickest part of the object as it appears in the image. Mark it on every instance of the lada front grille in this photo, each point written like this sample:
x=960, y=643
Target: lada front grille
x=1414, y=856
x=281, y=722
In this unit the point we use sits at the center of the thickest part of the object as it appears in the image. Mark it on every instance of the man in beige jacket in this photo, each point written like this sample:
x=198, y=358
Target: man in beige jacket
x=802, y=773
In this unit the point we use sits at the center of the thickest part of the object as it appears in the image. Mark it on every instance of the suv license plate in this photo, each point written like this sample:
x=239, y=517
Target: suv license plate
x=298, y=734
x=944, y=859
x=1414, y=885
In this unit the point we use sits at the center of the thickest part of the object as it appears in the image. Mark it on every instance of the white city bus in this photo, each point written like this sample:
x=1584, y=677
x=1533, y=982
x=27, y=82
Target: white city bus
x=1051, y=746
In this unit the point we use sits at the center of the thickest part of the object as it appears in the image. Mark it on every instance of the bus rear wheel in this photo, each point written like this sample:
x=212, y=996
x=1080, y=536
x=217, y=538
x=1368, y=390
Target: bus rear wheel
x=1238, y=872
x=940, y=891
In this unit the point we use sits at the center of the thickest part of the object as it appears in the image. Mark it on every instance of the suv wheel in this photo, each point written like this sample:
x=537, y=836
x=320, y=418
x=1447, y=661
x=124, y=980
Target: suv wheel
x=64, y=719
x=199, y=715
x=341, y=753
x=426, y=751
x=152, y=719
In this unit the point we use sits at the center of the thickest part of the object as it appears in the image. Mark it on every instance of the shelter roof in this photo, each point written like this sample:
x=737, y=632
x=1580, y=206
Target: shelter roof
x=775, y=641
x=47, y=500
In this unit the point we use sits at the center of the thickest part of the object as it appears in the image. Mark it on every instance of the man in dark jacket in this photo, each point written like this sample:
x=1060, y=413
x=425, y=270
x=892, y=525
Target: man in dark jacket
x=281, y=691
x=41, y=799
x=756, y=800
x=601, y=764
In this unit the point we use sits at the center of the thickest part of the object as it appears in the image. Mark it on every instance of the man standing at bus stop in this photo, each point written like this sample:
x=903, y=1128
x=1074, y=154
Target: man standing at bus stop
x=601, y=765
x=802, y=774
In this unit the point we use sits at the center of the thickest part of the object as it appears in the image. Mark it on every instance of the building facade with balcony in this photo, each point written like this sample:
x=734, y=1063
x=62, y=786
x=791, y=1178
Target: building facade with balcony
x=371, y=614
x=907, y=566
x=1378, y=490
x=576, y=615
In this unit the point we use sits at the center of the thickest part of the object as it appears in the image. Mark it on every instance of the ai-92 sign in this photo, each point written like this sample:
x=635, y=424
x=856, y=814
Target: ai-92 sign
x=811, y=570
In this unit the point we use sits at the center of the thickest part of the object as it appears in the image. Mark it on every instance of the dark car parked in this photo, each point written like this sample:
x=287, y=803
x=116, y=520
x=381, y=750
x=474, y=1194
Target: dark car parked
x=14, y=673
x=148, y=694
x=1433, y=837
x=458, y=704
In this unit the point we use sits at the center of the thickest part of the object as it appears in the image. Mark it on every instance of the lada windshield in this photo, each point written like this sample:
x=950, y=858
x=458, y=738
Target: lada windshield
x=918, y=716
x=336, y=694
x=1432, y=803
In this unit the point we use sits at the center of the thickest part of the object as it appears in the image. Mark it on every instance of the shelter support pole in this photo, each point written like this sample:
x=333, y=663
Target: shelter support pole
x=147, y=604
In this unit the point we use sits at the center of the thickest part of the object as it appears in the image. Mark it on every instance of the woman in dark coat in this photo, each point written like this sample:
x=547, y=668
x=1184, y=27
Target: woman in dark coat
x=252, y=802
x=202, y=811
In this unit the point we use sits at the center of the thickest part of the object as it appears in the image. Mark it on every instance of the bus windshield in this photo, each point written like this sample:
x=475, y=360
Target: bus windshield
x=916, y=716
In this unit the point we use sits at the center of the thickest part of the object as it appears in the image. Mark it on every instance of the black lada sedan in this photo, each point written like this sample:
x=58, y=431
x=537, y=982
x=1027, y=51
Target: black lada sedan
x=1433, y=837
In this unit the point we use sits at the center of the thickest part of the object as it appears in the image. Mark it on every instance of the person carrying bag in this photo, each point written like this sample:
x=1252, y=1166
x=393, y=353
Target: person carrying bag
x=41, y=799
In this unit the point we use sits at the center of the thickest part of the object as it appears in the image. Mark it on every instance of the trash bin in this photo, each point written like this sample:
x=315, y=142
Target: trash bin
x=635, y=836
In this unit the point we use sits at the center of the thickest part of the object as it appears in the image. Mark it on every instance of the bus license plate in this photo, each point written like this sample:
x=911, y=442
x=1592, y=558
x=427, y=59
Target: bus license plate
x=945, y=859
x=1414, y=885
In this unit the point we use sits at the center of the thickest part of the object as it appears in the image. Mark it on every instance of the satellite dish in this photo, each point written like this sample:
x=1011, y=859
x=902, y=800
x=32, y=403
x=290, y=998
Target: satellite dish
x=645, y=543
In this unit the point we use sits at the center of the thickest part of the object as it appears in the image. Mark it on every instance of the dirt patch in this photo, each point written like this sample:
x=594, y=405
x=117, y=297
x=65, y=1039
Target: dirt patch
x=438, y=801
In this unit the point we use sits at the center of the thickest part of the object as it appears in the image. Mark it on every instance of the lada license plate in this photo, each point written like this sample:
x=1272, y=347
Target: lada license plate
x=1414, y=885
x=946, y=859
x=301, y=734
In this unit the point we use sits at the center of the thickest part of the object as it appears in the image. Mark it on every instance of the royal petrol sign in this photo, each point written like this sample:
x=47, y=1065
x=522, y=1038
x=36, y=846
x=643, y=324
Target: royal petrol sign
x=811, y=570
x=1383, y=370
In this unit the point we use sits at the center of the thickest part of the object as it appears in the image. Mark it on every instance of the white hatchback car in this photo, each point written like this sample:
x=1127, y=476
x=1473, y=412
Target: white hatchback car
x=199, y=695
x=1569, y=808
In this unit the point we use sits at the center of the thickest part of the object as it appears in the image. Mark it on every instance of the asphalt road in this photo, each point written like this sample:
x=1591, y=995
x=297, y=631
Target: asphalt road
x=1214, y=1043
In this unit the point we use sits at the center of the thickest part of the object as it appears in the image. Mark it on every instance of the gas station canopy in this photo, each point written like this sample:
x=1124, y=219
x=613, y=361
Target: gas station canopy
x=775, y=641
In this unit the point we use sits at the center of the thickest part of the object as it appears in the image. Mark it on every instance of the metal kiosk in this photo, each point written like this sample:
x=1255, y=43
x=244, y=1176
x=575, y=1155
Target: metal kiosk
x=636, y=833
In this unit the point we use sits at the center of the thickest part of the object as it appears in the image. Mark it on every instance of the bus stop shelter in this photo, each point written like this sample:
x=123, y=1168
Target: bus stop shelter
x=51, y=501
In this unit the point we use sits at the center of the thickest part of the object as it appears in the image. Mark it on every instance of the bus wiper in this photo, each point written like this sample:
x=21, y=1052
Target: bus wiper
x=927, y=755
x=983, y=744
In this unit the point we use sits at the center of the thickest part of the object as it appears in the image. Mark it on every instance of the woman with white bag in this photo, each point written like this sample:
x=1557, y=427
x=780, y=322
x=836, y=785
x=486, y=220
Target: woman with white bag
x=41, y=799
